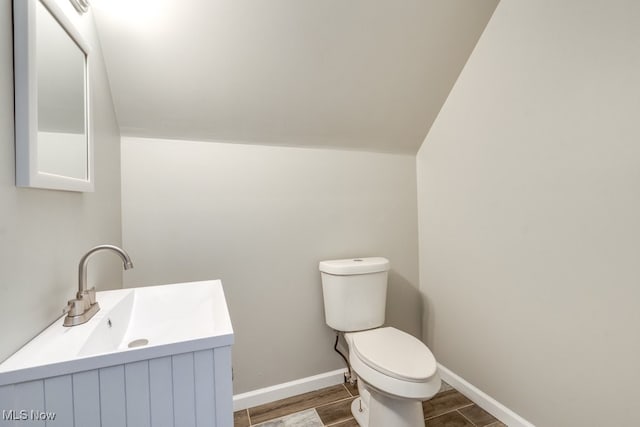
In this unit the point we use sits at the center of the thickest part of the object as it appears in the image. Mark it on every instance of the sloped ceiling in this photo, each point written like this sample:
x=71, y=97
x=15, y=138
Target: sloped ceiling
x=354, y=74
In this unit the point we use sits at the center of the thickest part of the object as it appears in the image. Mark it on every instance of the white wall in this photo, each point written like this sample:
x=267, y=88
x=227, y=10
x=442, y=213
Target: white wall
x=529, y=207
x=261, y=218
x=361, y=74
x=44, y=233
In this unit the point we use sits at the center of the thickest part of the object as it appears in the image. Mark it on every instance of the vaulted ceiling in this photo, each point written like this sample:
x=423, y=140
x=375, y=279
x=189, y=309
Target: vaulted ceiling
x=354, y=74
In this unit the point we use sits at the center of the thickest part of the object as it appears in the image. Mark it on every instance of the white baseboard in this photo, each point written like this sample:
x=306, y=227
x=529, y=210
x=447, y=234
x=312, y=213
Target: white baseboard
x=483, y=400
x=327, y=379
x=288, y=389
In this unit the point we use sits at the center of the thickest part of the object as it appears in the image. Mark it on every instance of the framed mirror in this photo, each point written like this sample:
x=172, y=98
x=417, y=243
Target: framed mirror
x=54, y=146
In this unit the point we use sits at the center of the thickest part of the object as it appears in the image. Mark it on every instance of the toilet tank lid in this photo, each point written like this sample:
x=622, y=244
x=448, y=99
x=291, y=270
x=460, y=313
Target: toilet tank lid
x=346, y=267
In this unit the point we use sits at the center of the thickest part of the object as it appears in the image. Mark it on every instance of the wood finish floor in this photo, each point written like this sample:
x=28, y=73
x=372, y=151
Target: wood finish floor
x=332, y=406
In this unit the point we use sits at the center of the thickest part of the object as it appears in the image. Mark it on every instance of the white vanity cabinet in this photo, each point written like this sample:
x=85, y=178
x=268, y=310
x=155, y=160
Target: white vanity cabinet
x=99, y=375
x=183, y=390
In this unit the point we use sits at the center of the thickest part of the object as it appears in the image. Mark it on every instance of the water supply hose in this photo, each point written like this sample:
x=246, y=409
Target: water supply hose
x=347, y=376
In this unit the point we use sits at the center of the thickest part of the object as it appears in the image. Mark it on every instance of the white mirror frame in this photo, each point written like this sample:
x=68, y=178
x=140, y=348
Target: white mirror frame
x=26, y=99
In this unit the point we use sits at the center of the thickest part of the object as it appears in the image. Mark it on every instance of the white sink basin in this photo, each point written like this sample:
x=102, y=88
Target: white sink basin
x=132, y=324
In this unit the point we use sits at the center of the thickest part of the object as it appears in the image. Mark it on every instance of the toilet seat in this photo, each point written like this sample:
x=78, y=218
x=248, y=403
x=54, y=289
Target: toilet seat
x=395, y=353
x=394, y=362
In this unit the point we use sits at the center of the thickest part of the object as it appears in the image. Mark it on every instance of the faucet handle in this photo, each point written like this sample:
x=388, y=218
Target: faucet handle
x=92, y=295
x=74, y=308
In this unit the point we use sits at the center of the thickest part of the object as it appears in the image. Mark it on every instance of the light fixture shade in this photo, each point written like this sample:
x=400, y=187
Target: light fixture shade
x=81, y=5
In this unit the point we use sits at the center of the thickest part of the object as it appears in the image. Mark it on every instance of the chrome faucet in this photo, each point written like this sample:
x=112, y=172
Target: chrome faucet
x=83, y=308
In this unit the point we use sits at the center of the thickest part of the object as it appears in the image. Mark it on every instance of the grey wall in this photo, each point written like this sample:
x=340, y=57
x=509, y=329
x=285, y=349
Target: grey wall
x=261, y=218
x=529, y=207
x=44, y=233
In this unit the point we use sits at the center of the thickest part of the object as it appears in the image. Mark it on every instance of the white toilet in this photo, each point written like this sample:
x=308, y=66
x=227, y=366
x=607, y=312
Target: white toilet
x=395, y=370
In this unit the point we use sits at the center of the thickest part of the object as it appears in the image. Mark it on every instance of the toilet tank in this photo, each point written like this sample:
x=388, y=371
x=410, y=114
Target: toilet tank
x=355, y=292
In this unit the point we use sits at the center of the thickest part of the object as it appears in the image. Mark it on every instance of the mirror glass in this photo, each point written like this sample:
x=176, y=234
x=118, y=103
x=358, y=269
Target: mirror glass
x=62, y=135
x=52, y=110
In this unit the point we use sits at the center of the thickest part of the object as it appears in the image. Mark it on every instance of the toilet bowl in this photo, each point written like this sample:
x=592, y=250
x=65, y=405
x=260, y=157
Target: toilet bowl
x=395, y=371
